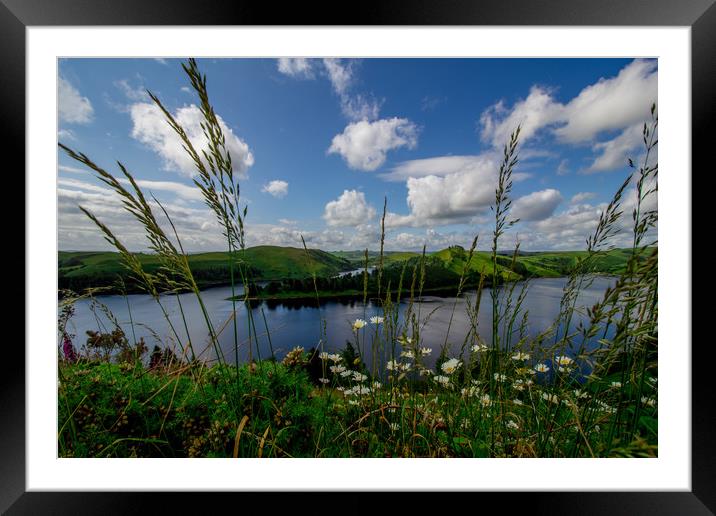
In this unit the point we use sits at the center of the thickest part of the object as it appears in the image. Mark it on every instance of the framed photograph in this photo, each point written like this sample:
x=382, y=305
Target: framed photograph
x=414, y=253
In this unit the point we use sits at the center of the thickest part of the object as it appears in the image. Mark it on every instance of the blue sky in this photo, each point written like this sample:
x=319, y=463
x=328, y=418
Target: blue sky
x=318, y=144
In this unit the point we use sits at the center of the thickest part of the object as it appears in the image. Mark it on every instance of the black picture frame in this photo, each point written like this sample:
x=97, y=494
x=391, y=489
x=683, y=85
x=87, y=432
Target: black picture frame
x=16, y=15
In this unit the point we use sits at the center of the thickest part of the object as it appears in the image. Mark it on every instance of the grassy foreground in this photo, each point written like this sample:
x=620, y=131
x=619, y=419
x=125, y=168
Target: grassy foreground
x=125, y=410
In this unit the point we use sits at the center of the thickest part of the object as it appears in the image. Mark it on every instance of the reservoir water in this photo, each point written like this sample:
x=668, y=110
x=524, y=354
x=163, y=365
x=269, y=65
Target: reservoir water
x=303, y=323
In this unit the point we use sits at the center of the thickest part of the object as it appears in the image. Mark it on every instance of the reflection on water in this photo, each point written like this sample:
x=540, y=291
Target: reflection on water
x=301, y=322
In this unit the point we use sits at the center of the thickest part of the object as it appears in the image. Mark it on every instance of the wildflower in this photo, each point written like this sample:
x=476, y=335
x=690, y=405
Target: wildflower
x=377, y=385
x=337, y=369
x=451, y=366
x=478, y=347
x=517, y=401
x=340, y=389
x=469, y=392
x=394, y=427
x=563, y=360
x=392, y=365
x=358, y=324
x=652, y=380
x=323, y=380
x=376, y=319
x=485, y=400
x=541, y=368
x=335, y=358
x=346, y=373
x=323, y=356
x=407, y=354
x=649, y=402
x=617, y=385
x=521, y=356
x=426, y=372
x=580, y=394
x=519, y=385
x=358, y=377
x=442, y=380
x=425, y=351
x=511, y=424
x=499, y=377
x=552, y=398
x=68, y=349
x=353, y=402
x=405, y=341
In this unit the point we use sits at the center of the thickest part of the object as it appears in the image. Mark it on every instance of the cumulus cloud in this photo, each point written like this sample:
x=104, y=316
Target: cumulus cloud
x=537, y=205
x=610, y=104
x=350, y=209
x=536, y=111
x=615, y=153
x=151, y=128
x=277, y=188
x=72, y=106
x=364, y=145
x=447, y=189
x=296, y=67
x=581, y=197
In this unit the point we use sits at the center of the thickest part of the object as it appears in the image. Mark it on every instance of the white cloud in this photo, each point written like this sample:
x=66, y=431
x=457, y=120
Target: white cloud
x=563, y=168
x=66, y=134
x=339, y=74
x=296, y=67
x=609, y=104
x=185, y=89
x=355, y=107
x=288, y=222
x=447, y=189
x=180, y=190
x=137, y=94
x=277, y=188
x=612, y=103
x=364, y=145
x=536, y=206
x=162, y=61
x=151, y=128
x=350, y=209
x=581, y=197
x=614, y=153
x=74, y=170
x=73, y=107
x=441, y=166
x=536, y=111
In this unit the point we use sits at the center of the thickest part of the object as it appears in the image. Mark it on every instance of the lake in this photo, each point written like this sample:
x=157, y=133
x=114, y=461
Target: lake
x=301, y=323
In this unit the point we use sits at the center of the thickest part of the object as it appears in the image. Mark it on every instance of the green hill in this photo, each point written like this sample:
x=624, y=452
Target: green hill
x=79, y=270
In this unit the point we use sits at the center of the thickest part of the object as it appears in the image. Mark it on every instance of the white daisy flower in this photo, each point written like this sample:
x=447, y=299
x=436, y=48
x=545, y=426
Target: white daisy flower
x=323, y=356
x=521, y=356
x=358, y=324
x=376, y=319
x=337, y=369
x=450, y=366
x=541, y=368
x=425, y=351
x=358, y=377
x=511, y=424
x=323, y=380
x=485, y=400
x=442, y=380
